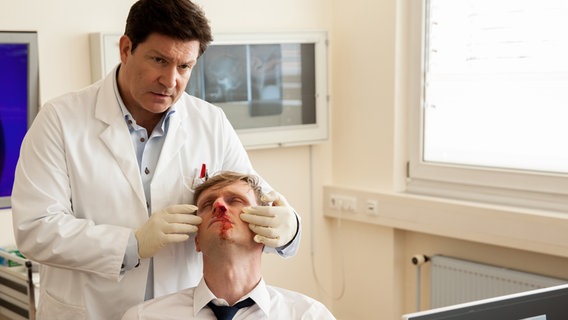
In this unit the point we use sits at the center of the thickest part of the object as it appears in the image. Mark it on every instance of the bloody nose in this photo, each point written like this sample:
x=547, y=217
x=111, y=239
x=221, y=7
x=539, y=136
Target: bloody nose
x=221, y=209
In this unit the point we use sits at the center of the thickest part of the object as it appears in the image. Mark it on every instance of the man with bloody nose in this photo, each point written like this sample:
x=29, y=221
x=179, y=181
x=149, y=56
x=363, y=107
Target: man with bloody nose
x=232, y=286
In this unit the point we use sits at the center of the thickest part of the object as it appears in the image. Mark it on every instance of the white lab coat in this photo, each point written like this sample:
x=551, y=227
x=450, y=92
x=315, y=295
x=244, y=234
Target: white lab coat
x=78, y=195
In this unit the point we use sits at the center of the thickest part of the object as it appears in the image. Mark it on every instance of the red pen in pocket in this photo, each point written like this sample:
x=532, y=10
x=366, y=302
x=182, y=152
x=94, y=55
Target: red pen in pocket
x=204, y=175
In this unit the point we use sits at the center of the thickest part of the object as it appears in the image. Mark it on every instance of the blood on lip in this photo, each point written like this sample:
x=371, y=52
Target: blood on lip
x=221, y=216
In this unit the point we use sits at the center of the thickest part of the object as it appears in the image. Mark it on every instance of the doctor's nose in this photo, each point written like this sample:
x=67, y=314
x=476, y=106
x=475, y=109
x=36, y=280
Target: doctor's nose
x=168, y=78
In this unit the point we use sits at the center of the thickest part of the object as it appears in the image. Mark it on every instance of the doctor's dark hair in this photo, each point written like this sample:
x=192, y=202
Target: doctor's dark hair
x=225, y=178
x=179, y=19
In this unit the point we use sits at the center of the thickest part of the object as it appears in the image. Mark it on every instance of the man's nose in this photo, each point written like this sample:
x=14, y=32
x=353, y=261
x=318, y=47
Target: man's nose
x=220, y=208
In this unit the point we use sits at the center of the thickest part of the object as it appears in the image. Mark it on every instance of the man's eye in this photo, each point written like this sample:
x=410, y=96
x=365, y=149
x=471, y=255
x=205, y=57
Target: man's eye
x=237, y=200
x=204, y=206
x=159, y=60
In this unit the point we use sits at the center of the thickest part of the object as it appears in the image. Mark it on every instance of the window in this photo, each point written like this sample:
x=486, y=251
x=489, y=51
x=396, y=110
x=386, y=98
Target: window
x=489, y=113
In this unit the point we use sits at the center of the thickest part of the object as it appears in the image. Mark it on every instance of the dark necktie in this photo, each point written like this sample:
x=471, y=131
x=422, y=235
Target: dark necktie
x=227, y=313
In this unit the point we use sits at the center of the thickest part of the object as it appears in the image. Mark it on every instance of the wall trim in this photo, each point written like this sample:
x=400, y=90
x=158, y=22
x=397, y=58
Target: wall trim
x=525, y=229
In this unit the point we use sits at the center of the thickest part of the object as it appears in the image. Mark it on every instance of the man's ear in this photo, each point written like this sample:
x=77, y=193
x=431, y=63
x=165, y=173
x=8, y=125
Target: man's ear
x=197, y=248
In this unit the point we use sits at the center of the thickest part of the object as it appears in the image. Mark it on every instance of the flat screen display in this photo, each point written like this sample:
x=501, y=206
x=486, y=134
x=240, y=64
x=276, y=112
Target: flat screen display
x=541, y=304
x=259, y=85
x=18, y=101
x=272, y=87
x=13, y=109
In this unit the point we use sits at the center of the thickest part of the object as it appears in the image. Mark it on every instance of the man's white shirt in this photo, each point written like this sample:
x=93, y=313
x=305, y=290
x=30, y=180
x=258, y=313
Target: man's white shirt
x=270, y=303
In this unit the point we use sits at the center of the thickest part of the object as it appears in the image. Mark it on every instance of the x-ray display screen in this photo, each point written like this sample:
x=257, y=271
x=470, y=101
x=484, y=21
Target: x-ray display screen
x=259, y=85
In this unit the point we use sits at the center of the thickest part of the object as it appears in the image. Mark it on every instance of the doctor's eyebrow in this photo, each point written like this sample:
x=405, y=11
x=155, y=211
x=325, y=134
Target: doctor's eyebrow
x=157, y=54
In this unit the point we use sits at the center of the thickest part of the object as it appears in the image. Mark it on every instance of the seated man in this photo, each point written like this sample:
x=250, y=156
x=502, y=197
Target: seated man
x=231, y=265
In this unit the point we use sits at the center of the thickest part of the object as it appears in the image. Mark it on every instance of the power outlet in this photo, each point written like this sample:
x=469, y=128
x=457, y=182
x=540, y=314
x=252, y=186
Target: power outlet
x=372, y=207
x=343, y=203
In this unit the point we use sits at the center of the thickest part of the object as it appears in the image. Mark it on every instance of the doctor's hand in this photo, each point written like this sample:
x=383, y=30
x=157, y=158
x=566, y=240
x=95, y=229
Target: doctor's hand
x=170, y=225
x=275, y=225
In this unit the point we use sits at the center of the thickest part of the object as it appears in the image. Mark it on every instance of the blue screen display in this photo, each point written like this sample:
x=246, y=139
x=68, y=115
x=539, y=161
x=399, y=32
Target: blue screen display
x=13, y=110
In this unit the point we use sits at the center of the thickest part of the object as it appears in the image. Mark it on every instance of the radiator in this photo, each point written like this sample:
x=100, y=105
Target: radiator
x=455, y=281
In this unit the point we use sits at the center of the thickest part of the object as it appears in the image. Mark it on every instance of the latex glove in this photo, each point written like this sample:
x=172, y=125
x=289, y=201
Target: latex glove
x=170, y=225
x=275, y=225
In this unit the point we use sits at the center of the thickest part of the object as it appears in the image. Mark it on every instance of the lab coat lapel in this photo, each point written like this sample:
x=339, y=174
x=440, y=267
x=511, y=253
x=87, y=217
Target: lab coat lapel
x=177, y=134
x=116, y=136
x=121, y=147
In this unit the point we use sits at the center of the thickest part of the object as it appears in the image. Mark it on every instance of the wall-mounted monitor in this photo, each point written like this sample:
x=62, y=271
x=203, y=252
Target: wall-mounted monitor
x=540, y=304
x=19, y=101
x=272, y=86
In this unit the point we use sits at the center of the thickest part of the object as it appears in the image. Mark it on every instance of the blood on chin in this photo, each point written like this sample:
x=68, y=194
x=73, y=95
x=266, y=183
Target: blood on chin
x=225, y=226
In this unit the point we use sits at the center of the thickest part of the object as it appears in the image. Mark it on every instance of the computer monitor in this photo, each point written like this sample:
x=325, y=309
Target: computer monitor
x=19, y=101
x=540, y=304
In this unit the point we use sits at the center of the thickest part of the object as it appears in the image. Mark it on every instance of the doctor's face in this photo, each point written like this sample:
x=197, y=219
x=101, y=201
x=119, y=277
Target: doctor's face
x=220, y=209
x=155, y=74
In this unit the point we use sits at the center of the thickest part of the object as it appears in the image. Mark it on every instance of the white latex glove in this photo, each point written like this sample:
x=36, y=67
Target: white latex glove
x=172, y=224
x=274, y=225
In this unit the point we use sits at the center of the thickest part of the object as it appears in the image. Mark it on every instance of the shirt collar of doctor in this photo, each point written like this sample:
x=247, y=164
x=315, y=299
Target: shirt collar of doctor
x=127, y=116
x=202, y=296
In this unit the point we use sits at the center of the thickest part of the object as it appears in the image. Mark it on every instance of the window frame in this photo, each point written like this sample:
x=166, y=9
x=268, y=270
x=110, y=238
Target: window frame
x=527, y=189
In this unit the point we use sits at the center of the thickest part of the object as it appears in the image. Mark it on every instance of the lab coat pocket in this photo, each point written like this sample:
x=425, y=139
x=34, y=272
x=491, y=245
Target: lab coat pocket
x=189, y=185
x=52, y=308
x=190, y=181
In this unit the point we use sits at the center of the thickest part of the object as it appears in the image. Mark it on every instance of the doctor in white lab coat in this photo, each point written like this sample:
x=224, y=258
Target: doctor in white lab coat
x=95, y=182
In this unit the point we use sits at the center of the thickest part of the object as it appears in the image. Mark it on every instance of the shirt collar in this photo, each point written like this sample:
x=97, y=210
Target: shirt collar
x=203, y=295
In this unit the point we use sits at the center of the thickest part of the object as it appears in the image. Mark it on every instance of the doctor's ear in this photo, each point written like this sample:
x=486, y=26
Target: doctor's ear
x=125, y=46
